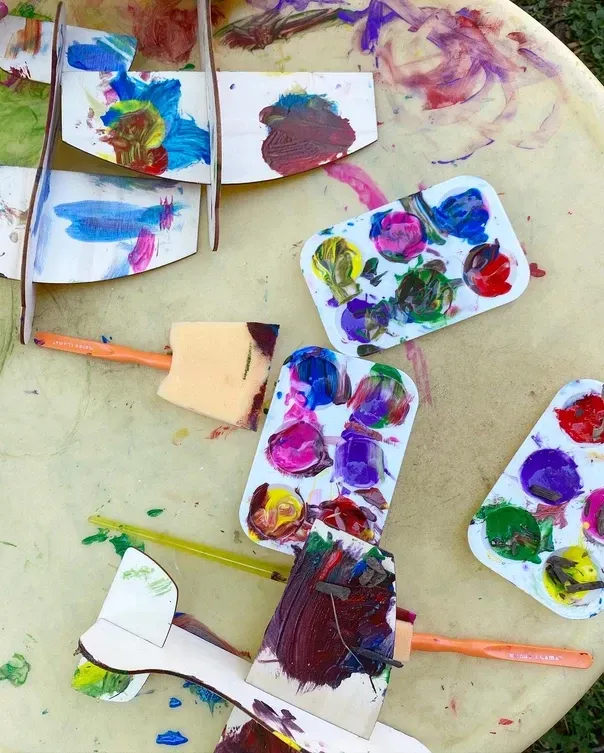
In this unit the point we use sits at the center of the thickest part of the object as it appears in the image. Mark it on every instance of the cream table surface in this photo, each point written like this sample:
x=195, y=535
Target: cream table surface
x=94, y=436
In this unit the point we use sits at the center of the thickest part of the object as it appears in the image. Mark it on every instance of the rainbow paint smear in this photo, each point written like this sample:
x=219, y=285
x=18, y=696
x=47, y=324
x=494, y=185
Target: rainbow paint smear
x=331, y=449
x=542, y=524
x=418, y=264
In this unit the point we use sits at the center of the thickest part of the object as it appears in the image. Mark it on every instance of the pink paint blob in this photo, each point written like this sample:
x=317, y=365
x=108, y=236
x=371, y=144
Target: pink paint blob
x=298, y=449
x=591, y=512
x=401, y=236
x=3, y=10
x=369, y=194
x=142, y=253
x=420, y=369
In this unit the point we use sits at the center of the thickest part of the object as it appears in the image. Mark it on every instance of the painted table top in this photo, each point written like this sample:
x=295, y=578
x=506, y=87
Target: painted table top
x=77, y=436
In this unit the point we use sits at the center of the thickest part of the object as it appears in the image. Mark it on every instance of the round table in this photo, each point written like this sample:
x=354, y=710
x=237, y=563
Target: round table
x=79, y=437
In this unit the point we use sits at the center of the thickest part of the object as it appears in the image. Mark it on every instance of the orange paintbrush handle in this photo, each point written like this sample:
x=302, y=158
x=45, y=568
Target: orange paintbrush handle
x=561, y=657
x=108, y=351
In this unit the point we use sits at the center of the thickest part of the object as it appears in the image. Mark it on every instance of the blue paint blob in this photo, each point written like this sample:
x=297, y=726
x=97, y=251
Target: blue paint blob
x=303, y=100
x=171, y=737
x=174, y=703
x=113, y=52
x=97, y=221
x=464, y=215
x=320, y=380
x=279, y=395
x=204, y=695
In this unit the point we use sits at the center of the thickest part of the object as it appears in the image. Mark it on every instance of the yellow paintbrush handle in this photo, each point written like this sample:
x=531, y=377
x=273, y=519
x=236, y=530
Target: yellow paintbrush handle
x=247, y=564
x=107, y=351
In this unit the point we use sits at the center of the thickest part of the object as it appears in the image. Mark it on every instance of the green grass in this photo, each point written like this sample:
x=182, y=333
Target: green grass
x=581, y=730
x=578, y=23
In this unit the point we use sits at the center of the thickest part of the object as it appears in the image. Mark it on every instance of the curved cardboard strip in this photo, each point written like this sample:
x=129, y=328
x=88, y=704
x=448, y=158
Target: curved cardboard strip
x=26, y=46
x=273, y=125
x=86, y=243
x=413, y=266
x=547, y=504
x=204, y=35
x=36, y=231
x=324, y=453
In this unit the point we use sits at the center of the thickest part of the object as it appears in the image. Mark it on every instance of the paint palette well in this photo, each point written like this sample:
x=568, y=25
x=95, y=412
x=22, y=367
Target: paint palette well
x=542, y=525
x=331, y=449
x=413, y=266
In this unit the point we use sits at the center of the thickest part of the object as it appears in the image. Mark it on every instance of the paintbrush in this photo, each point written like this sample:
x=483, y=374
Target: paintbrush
x=406, y=639
x=218, y=369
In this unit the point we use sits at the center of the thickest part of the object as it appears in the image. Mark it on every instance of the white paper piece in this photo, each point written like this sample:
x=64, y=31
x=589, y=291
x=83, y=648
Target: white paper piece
x=547, y=503
x=85, y=243
x=26, y=44
x=325, y=452
x=284, y=121
x=414, y=266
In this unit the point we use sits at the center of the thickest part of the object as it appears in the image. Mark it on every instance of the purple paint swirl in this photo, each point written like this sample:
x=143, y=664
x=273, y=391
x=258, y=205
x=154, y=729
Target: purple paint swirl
x=298, y=449
x=553, y=470
x=359, y=461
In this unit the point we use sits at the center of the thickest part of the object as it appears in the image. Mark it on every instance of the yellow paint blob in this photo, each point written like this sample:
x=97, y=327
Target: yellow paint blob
x=280, y=513
x=179, y=436
x=338, y=263
x=583, y=572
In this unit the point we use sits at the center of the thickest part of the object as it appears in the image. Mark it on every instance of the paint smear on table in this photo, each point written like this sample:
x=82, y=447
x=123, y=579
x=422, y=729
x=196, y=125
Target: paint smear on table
x=156, y=512
x=416, y=355
x=164, y=31
x=368, y=193
x=171, y=737
x=221, y=431
x=304, y=131
x=203, y=695
x=96, y=682
x=179, y=436
x=15, y=670
x=120, y=542
x=174, y=703
x=536, y=270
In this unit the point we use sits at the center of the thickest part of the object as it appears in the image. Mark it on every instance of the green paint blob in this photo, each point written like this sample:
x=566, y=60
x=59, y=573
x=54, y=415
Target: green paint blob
x=123, y=542
x=15, y=670
x=155, y=512
x=28, y=10
x=96, y=538
x=23, y=104
x=513, y=533
x=425, y=295
x=96, y=682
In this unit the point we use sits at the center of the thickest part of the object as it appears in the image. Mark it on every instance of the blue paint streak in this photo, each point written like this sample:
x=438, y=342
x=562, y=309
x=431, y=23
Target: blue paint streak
x=119, y=268
x=175, y=703
x=113, y=52
x=204, y=695
x=96, y=221
x=303, y=100
x=185, y=142
x=171, y=737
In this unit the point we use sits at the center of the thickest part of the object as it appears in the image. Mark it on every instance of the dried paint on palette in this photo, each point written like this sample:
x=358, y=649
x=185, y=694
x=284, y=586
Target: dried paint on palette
x=315, y=639
x=304, y=131
x=331, y=449
x=418, y=264
x=542, y=524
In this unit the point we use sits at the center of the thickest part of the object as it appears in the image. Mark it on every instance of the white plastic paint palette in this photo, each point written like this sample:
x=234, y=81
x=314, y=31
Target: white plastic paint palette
x=418, y=264
x=542, y=524
x=331, y=449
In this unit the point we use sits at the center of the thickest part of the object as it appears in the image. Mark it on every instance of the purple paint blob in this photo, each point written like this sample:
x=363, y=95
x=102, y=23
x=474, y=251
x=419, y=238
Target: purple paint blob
x=364, y=321
x=359, y=461
x=591, y=514
x=3, y=10
x=298, y=449
x=553, y=470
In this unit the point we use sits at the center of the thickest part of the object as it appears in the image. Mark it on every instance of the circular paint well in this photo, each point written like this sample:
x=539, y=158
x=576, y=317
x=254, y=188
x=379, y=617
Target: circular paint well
x=276, y=512
x=552, y=470
x=592, y=516
x=582, y=417
x=585, y=571
x=513, y=533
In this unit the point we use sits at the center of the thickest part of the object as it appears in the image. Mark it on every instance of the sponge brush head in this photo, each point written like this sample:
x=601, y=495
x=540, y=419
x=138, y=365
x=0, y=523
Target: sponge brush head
x=220, y=369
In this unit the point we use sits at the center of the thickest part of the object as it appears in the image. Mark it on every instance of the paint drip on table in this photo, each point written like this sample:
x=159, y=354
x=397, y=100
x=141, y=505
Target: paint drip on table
x=542, y=524
x=413, y=266
x=331, y=449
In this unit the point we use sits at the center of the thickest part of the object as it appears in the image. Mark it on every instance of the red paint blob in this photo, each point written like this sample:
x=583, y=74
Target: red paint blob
x=486, y=271
x=505, y=722
x=342, y=513
x=536, y=271
x=582, y=418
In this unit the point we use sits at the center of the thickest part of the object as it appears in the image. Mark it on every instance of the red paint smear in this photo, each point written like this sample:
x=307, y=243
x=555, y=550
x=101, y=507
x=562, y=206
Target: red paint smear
x=557, y=514
x=221, y=431
x=129, y=136
x=536, y=271
x=453, y=706
x=252, y=737
x=143, y=251
x=164, y=31
x=369, y=194
x=505, y=722
x=343, y=514
x=420, y=369
x=486, y=271
x=580, y=419
x=303, y=137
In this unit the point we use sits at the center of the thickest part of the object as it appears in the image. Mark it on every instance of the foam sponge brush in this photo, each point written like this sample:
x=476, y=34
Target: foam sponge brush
x=218, y=369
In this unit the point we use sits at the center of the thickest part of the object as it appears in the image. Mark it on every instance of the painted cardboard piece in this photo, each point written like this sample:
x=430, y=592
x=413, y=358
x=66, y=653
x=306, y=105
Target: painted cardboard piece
x=331, y=449
x=413, y=266
x=542, y=525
